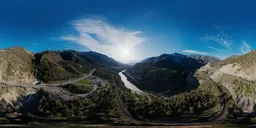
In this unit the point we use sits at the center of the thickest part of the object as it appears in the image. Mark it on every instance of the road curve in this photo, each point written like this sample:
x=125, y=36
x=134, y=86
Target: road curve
x=44, y=85
x=212, y=120
x=223, y=113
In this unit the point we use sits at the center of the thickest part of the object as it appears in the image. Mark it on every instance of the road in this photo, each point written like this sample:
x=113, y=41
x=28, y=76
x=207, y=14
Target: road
x=223, y=113
x=45, y=85
x=212, y=120
x=124, y=110
x=51, y=86
x=120, y=103
x=31, y=99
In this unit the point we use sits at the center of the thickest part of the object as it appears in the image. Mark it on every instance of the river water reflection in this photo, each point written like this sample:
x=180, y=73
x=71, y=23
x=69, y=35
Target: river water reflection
x=128, y=84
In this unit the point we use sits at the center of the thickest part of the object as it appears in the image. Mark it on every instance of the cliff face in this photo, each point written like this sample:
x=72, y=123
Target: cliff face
x=16, y=65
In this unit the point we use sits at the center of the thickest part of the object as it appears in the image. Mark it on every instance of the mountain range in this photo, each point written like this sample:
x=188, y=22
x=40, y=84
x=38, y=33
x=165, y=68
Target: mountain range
x=21, y=66
x=167, y=72
x=88, y=85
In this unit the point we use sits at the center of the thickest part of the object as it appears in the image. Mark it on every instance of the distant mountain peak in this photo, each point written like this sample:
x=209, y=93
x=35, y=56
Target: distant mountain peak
x=103, y=60
x=167, y=71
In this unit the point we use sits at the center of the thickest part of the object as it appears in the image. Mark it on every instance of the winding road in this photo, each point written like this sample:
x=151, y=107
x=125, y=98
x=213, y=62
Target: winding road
x=219, y=117
x=54, y=85
x=123, y=109
x=223, y=113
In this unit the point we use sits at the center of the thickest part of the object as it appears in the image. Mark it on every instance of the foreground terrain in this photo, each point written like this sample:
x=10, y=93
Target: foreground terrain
x=72, y=87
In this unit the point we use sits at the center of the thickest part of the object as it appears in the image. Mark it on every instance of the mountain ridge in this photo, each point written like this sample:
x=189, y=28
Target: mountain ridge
x=50, y=65
x=167, y=71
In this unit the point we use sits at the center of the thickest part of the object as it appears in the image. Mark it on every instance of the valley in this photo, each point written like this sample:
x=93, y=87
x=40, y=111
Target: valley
x=93, y=88
x=128, y=84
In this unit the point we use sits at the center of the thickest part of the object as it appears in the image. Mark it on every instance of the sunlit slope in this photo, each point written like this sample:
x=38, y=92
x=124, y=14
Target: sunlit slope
x=16, y=65
x=237, y=74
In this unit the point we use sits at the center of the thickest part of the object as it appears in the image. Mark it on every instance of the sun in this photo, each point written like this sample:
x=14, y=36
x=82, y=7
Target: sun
x=125, y=52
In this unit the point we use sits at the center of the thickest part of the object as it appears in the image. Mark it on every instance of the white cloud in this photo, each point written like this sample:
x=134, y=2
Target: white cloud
x=221, y=37
x=194, y=52
x=101, y=37
x=215, y=49
x=245, y=48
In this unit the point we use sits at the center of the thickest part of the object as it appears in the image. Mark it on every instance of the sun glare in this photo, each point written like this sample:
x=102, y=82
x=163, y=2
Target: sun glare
x=125, y=52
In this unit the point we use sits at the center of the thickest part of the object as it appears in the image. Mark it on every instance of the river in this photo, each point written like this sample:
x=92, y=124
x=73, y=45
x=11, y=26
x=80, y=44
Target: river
x=128, y=84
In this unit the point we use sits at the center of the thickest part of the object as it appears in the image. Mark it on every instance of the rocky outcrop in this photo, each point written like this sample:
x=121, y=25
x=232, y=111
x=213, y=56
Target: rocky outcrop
x=16, y=65
x=11, y=98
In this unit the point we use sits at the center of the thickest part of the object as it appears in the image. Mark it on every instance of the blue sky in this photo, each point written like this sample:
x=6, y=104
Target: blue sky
x=130, y=30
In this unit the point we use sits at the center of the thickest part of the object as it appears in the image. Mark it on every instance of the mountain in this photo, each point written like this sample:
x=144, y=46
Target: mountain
x=237, y=75
x=16, y=65
x=103, y=60
x=220, y=89
x=11, y=97
x=179, y=61
x=61, y=65
x=167, y=72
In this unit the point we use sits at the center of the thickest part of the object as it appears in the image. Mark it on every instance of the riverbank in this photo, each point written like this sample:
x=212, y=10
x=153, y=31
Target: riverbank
x=128, y=84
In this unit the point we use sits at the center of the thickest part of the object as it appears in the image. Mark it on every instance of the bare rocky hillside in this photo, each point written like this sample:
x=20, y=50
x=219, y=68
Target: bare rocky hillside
x=16, y=65
x=238, y=75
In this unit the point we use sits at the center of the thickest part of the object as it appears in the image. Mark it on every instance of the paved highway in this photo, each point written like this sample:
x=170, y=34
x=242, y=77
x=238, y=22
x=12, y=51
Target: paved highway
x=45, y=85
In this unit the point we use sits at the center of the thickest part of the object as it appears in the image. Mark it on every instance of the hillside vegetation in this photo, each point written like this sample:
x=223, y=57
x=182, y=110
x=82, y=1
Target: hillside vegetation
x=167, y=72
x=61, y=65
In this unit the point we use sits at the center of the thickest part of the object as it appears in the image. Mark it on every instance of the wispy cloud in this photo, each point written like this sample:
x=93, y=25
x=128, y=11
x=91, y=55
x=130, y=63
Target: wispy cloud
x=221, y=37
x=245, y=47
x=215, y=49
x=104, y=38
x=194, y=52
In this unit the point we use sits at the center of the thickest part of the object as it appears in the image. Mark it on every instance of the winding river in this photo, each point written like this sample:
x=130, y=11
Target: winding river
x=128, y=84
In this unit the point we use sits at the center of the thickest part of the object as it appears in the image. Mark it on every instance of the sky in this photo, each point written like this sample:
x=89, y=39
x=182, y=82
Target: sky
x=130, y=30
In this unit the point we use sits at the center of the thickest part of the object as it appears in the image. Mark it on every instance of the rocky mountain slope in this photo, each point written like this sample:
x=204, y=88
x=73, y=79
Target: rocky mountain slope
x=237, y=74
x=167, y=72
x=16, y=65
x=11, y=97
